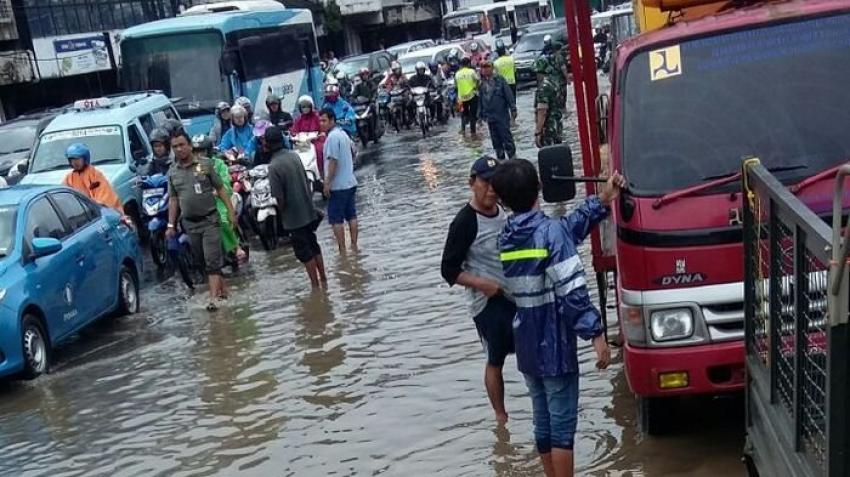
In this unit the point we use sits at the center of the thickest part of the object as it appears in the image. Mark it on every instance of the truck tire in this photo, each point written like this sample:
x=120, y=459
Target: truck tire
x=655, y=414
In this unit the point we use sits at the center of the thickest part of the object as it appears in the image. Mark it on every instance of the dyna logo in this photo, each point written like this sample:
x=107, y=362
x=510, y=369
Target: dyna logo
x=681, y=276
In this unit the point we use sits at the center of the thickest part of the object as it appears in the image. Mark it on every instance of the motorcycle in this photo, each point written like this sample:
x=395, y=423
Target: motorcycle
x=451, y=94
x=155, y=215
x=303, y=145
x=368, y=127
x=398, y=104
x=423, y=115
x=241, y=198
x=264, y=206
x=383, y=106
x=438, y=105
x=176, y=250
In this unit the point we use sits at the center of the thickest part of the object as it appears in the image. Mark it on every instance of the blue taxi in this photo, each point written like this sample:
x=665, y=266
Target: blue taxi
x=64, y=262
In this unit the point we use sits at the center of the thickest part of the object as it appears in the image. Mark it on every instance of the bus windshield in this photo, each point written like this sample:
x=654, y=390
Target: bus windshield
x=692, y=111
x=463, y=26
x=184, y=65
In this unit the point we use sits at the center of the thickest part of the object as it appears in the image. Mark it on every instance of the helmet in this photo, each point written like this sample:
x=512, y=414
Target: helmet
x=172, y=126
x=331, y=80
x=364, y=71
x=202, y=142
x=237, y=111
x=542, y=66
x=260, y=127
x=341, y=76
x=357, y=80
x=547, y=39
x=331, y=92
x=80, y=150
x=395, y=67
x=244, y=102
x=222, y=106
x=305, y=99
x=454, y=55
x=474, y=46
x=500, y=47
x=420, y=65
x=465, y=61
x=159, y=135
x=432, y=66
x=272, y=98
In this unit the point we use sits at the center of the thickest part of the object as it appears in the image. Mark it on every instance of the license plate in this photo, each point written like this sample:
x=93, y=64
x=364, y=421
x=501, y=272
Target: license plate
x=151, y=192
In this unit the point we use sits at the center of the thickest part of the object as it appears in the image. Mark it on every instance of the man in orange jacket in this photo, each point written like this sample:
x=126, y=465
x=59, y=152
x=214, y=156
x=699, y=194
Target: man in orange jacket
x=87, y=180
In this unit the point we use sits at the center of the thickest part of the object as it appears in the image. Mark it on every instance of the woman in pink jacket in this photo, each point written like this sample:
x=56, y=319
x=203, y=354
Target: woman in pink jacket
x=308, y=121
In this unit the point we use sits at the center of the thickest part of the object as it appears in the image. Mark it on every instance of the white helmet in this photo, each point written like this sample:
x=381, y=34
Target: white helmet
x=420, y=65
x=547, y=39
x=331, y=80
x=244, y=102
x=340, y=75
x=237, y=111
x=474, y=46
x=305, y=99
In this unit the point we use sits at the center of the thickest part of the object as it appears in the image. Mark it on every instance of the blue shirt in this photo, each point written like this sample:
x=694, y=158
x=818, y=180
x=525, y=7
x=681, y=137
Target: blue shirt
x=240, y=138
x=346, y=118
x=338, y=146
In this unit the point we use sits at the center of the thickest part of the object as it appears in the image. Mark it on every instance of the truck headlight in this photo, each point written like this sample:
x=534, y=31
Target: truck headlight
x=675, y=324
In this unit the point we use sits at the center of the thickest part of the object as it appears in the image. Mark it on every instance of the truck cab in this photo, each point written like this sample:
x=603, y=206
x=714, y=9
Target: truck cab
x=116, y=131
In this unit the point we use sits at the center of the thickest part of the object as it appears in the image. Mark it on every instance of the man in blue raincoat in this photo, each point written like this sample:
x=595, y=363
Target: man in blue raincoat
x=346, y=118
x=545, y=275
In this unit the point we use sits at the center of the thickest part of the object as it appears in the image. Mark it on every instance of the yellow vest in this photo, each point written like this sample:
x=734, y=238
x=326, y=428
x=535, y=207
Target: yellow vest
x=506, y=68
x=466, y=83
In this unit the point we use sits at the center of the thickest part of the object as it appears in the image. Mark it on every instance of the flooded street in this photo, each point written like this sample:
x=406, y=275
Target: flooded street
x=381, y=374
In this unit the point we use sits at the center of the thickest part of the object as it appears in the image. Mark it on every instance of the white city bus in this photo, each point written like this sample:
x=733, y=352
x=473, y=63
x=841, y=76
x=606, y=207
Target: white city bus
x=495, y=20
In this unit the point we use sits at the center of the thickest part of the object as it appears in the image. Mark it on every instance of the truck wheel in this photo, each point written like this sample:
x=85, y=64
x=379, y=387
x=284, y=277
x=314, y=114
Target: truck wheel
x=655, y=414
x=35, y=346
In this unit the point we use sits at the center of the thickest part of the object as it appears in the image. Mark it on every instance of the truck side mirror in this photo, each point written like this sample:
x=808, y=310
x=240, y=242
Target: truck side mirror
x=555, y=166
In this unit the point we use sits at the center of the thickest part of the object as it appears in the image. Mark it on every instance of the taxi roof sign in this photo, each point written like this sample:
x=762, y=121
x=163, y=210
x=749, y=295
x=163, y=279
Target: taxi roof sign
x=92, y=103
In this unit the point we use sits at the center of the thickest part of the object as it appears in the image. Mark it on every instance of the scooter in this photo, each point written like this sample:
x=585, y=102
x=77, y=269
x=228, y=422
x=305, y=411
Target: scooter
x=264, y=206
x=451, y=94
x=303, y=145
x=368, y=127
x=383, y=107
x=438, y=106
x=398, y=104
x=423, y=116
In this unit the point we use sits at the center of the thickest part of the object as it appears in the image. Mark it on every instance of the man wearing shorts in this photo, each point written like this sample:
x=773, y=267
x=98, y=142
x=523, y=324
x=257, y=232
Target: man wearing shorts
x=192, y=187
x=340, y=182
x=471, y=259
x=295, y=201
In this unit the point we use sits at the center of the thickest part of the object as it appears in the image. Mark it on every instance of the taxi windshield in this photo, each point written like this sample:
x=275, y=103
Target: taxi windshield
x=693, y=110
x=105, y=143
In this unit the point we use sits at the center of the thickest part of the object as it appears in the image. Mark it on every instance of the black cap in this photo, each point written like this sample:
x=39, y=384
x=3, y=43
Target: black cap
x=484, y=167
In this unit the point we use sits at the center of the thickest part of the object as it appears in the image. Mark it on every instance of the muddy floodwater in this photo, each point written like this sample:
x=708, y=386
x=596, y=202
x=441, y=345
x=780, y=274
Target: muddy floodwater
x=380, y=375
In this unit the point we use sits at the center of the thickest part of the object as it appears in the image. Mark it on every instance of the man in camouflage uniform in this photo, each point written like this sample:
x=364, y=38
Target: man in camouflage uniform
x=560, y=74
x=548, y=109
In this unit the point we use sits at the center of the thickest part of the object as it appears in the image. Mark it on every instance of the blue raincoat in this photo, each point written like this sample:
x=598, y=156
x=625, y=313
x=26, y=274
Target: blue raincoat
x=545, y=274
x=345, y=115
x=241, y=138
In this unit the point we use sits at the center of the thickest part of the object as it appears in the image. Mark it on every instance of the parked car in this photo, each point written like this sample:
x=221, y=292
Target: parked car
x=409, y=47
x=377, y=61
x=17, y=138
x=66, y=262
x=116, y=131
x=529, y=48
x=434, y=53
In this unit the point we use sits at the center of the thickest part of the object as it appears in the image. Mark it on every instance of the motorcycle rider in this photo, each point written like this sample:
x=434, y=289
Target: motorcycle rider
x=505, y=66
x=466, y=81
x=364, y=87
x=274, y=114
x=249, y=108
x=240, y=136
x=476, y=56
x=453, y=63
x=345, y=86
x=396, y=78
x=87, y=179
x=422, y=80
x=221, y=123
x=307, y=122
x=437, y=76
x=161, y=145
x=261, y=156
x=346, y=118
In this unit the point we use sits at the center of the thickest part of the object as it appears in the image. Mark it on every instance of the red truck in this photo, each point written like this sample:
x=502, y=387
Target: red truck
x=688, y=102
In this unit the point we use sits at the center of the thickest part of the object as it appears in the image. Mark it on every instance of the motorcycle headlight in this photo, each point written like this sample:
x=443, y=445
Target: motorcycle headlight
x=674, y=324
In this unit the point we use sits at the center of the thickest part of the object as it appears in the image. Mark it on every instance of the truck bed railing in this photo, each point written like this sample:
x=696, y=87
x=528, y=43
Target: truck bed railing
x=797, y=349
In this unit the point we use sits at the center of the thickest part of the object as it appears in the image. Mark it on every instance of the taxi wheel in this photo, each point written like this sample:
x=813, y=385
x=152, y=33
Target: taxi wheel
x=36, y=347
x=128, y=292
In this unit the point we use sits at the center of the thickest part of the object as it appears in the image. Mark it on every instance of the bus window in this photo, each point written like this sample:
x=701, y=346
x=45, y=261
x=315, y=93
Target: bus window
x=257, y=63
x=463, y=26
x=498, y=22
